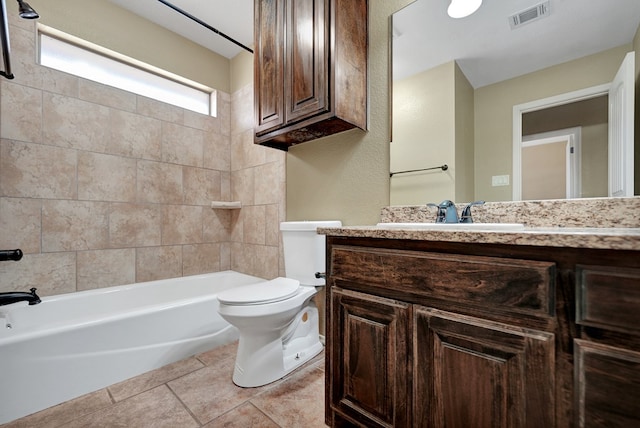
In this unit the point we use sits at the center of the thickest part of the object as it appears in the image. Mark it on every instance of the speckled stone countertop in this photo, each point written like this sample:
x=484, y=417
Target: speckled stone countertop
x=600, y=223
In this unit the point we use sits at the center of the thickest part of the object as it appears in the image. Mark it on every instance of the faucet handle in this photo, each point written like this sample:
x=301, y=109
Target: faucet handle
x=441, y=213
x=466, y=212
x=35, y=299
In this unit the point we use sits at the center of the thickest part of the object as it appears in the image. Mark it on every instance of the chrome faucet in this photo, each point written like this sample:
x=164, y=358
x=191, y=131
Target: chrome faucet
x=447, y=212
x=19, y=296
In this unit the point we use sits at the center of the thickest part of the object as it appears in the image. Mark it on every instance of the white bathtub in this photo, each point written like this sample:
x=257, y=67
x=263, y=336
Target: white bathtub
x=72, y=344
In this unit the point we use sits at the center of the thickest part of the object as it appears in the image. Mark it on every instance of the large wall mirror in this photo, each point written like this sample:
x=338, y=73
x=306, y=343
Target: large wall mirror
x=515, y=99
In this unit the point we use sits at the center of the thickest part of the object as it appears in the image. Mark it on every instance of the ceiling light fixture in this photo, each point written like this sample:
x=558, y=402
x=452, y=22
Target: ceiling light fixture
x=463, y=8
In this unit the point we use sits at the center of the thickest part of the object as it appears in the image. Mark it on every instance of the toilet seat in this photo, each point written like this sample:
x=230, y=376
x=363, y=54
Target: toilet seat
x=263, y=292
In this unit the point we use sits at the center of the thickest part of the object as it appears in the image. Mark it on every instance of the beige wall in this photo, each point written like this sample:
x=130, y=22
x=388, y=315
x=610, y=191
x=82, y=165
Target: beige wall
x=102, y=187
x=464, y=141
x=242, y=71
x=433, y=125
x=494, y=111
x=346, y=176
x=424, y=136
x=110, y=26
x=595, y=172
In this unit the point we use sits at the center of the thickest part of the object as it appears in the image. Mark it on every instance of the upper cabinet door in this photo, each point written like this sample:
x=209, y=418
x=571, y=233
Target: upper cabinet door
x=310, y=69
x=269, y=59
x=307, y=60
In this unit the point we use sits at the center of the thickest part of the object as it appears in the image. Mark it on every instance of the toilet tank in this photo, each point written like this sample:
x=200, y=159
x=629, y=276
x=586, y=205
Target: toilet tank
x=304, y=250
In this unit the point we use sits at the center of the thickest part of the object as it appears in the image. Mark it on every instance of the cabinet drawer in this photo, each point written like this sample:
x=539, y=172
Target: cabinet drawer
x=608, y=297
x=493, y=283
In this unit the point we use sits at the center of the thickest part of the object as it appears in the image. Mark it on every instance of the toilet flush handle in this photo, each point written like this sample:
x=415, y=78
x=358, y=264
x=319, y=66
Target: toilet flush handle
x=321, y=275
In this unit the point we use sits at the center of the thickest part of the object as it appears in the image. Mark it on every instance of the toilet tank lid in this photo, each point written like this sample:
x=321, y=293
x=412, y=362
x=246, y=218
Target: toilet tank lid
x=262, y=292
x=309, y=225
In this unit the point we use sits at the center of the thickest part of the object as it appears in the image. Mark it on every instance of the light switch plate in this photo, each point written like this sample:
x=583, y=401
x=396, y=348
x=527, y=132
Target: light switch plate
x=500, y=180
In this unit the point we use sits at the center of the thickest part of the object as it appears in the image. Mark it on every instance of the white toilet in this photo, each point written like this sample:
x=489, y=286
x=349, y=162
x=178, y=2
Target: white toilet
x=277, y=320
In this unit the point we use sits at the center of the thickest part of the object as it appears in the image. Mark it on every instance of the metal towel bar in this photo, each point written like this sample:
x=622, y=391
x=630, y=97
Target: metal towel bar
x=442, y=167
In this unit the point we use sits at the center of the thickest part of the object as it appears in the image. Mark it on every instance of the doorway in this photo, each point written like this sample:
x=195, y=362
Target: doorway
x=551, y=165
x=586, y=109
x=620, y=130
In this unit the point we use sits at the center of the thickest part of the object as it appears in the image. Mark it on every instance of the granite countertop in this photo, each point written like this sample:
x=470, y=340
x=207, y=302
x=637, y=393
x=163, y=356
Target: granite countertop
x=601, y=223
x=573, y=237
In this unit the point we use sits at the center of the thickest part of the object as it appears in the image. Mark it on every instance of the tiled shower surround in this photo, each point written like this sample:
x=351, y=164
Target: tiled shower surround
x=102, y=187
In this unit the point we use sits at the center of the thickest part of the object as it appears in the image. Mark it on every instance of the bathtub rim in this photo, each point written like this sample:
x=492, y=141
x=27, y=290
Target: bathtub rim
x=88, y=321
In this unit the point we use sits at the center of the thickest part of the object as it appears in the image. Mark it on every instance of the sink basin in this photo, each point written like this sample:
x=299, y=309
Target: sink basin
x=453, y=226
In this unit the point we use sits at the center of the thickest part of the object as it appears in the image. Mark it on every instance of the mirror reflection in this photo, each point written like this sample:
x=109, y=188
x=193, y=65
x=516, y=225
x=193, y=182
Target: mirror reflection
x=514, y=99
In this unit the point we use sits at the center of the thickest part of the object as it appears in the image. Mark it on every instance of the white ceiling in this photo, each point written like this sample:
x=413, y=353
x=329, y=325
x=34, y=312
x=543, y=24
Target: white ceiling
x=231, y=17
x=484, y=45
x=488, y=51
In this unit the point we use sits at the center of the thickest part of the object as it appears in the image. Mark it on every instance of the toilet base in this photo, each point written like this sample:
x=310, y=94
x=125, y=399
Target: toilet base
x=265, y=358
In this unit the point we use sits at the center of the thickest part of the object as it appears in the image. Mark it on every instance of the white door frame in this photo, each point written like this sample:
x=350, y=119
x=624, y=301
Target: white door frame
x=556, y=100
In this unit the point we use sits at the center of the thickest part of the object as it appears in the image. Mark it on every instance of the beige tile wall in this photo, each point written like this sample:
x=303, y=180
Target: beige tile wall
x=101, y=187
x=258, y=181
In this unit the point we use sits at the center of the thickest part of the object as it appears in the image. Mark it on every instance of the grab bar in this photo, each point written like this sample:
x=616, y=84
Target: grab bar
x=4, y=35
x=442, y=167
x=14, y=255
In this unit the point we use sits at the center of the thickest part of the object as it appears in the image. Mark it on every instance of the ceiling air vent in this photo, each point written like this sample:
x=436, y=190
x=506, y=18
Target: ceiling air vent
x=534, y=13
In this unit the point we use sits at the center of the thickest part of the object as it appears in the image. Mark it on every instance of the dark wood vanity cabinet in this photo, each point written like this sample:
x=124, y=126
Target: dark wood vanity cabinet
x=607, y=355
x=436, y=334
x=310, y=69
x=473, y=372
x=371, y=377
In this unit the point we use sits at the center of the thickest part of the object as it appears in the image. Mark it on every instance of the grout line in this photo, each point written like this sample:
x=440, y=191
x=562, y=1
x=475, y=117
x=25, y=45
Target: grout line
x=184, y=405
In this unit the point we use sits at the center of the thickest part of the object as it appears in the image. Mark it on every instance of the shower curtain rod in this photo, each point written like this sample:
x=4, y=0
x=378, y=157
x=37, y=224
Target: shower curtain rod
x=6, y=48
x=204, y=24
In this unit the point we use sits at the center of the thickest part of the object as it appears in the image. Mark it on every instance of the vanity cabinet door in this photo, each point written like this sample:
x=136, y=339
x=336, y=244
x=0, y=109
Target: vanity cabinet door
x=607, y=385
x=368, y=368
x=470, y=372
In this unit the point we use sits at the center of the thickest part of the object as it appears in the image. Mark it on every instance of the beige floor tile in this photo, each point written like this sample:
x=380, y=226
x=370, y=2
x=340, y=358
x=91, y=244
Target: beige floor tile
x=203, y=384
x=157, y=408
x=60, y=415
x=296, y=402
x=154, y=378
x=244, y=416
x=219, y=354
x=210, y=392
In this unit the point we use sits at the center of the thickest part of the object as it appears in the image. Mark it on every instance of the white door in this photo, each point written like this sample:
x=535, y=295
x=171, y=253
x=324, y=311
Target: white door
x=621, y=99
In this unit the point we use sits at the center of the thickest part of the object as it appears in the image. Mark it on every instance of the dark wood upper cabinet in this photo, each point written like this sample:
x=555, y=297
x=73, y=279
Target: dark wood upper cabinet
x=310, y=69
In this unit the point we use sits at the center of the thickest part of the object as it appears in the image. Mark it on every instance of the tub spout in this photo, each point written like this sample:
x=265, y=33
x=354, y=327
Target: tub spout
x=19, y=296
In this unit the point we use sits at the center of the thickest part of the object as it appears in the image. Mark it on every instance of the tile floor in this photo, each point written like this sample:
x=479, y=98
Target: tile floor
x=195, y=392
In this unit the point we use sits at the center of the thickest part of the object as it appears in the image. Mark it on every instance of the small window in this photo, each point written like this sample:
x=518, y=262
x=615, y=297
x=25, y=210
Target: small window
x=75, y=56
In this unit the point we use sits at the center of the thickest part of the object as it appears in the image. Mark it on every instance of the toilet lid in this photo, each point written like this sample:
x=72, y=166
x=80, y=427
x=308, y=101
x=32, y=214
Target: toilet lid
x=262, y=292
